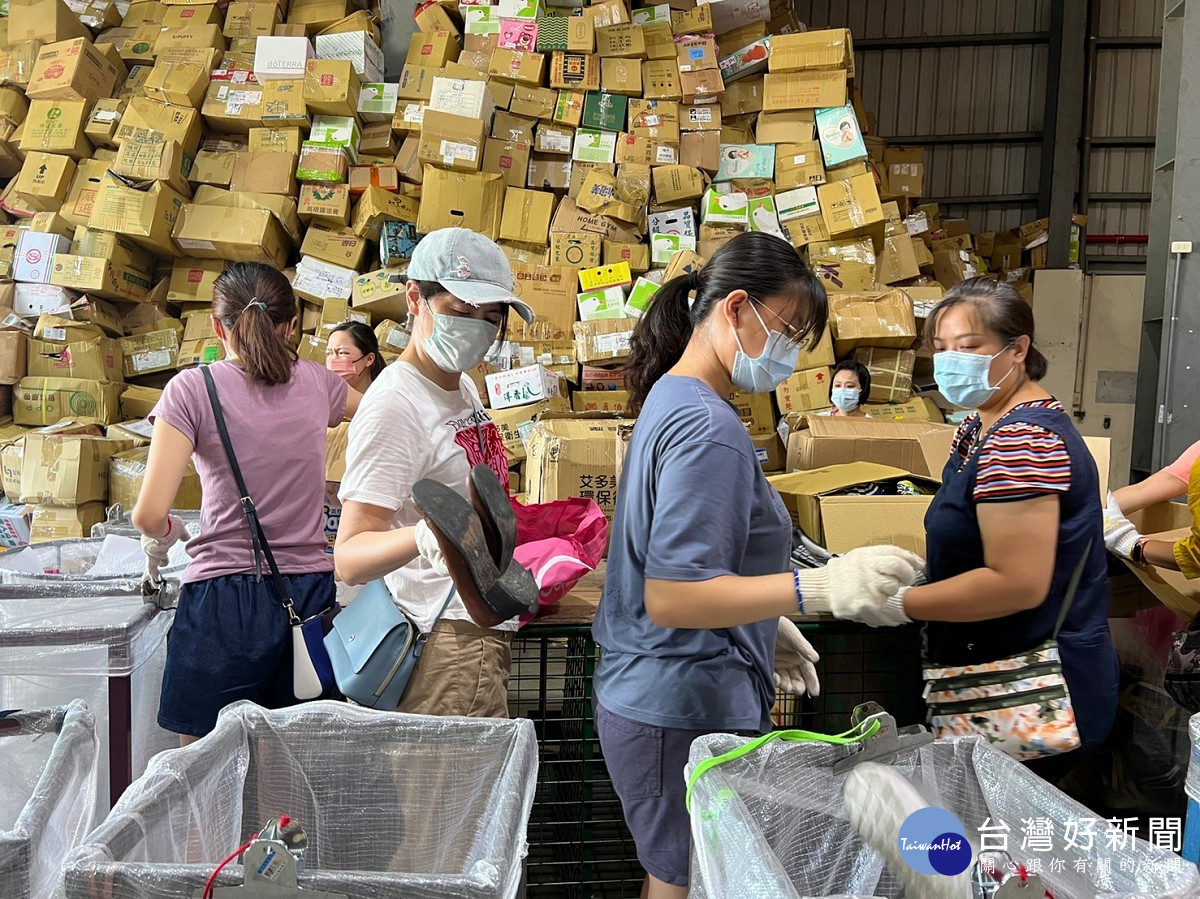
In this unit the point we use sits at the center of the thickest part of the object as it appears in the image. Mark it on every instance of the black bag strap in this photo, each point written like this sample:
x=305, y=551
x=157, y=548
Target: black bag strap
x=257, y=535
x=1072, y=586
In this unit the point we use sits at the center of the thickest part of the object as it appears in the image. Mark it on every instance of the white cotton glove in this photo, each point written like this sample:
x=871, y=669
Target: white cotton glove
x=795, y=661
x=427, y=546
x=158, y=549
x=1120, y=535
x=863, y=585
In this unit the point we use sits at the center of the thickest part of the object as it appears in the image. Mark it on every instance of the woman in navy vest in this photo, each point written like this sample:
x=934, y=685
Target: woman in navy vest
x=1018, y=512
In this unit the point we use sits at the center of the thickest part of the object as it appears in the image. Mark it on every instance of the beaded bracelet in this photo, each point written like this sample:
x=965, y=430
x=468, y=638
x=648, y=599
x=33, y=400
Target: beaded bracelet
x=799, y=592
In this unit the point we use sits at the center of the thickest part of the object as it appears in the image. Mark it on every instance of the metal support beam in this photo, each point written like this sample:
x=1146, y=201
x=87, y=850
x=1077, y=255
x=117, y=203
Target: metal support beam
x=978, y=137
x=924, y=41
x=1065, y=94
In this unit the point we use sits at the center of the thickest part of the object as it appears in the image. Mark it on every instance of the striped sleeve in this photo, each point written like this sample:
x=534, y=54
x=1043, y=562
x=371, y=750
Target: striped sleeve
x=1022, y=461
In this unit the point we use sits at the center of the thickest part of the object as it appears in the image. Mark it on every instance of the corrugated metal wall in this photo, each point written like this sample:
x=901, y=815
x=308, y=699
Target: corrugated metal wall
x=981, y=88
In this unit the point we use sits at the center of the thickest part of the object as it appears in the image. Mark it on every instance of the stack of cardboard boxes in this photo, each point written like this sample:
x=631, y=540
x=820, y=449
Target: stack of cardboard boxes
x=605, y=148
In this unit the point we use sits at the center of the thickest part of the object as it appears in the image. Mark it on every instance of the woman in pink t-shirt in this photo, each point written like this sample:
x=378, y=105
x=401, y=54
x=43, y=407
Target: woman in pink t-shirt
x=231, y=637
x=1120, y=535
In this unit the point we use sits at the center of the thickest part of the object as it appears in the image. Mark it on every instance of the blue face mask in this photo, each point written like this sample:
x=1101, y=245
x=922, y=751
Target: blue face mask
x=846, y=398
x=963, y=378
x=769, y=370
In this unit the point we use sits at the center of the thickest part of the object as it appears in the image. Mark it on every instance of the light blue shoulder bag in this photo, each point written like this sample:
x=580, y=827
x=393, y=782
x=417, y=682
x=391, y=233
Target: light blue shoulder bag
x=374, y=648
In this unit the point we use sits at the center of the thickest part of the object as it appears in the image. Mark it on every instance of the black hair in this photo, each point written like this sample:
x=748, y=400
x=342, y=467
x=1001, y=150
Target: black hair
x=861, y=372
x=1000, y=309
x=365, y=342
x=761, y=264
x=252, y=300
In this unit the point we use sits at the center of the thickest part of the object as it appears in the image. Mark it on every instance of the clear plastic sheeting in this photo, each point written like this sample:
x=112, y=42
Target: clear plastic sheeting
x=67, y=569
x=395, y=806
x=772, y=825
x=47, y=802
x=1193, y=773
x=109, y=651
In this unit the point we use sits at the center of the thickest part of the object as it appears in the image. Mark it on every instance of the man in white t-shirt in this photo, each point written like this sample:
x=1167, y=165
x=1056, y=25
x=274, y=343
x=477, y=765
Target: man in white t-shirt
x=422, y=418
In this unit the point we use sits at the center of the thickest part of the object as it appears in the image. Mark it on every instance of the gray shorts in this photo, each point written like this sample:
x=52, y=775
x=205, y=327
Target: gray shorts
x=646, y=764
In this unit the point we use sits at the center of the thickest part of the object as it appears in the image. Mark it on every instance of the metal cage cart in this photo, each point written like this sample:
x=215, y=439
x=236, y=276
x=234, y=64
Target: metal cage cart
x=48, y=799
x=579, y=846
x=773, y=823
x=394, y=806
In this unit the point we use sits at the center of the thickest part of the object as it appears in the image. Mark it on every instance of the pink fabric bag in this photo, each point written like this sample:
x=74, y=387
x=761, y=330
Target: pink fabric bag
x=559, y=542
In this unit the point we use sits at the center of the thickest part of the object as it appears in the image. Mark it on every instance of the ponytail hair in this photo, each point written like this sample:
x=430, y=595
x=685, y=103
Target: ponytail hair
x=253, y=300
x=761, y=264
x=999, y=309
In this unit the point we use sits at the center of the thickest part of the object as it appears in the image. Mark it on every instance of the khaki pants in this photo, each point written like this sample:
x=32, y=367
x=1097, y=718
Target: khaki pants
x=463, y=670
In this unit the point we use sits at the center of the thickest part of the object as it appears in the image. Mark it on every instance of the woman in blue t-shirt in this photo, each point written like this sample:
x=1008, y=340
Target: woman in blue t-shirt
x=698, y=573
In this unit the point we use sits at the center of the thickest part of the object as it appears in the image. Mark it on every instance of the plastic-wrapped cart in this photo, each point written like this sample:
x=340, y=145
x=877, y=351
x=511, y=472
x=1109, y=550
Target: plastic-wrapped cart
x=772, y=824
x=108, y=651
x=69, y=568
x=47, y=801
x=395, y=806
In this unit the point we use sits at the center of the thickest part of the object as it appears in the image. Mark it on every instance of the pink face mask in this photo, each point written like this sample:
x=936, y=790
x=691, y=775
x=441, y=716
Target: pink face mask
x=346, y=369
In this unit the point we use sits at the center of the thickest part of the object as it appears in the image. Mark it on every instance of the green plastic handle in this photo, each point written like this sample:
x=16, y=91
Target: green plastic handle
x=854, y=735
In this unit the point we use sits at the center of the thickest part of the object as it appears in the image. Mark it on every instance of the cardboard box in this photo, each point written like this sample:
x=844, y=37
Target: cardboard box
x=459, y=200
x=557, y=32
x=850, y=205
x=178, y=84
x=828, y=49
x=527, y=215
x=283, y=104
x=73, y=70
x=192, y=280
x=44, y=181
x=57, y=126
x=461, y=97
x=14, y=356
x=322, y=164
x=100, y=277
x=574, y=71
x=918, y=447
x=268, y=173
x=128, y=469
x=248, y=19
x=232, y=234
x=31, y=300
x=50, y=523
x=803, y=90
x=805, y=391
x=148, y=353
x=454, y=142
x=516, y=423
x=139, y=161
x=33, y=258
x=573, y=456
x=363, y=52
x=755, y=410
x=337, y=246
x=518, y=66
x=43, y=401
x=881, y=318
x=332, y=87
x=94, y=358
x=677, y=184
x=233, y=109
x=377, y=206
x=43, y=20
x=841, y=523
x=143, y=211
x=175, y=123
x=522, y=386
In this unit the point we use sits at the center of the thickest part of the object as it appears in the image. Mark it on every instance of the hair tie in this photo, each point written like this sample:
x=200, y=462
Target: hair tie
x=694, y=279
x=254, y=301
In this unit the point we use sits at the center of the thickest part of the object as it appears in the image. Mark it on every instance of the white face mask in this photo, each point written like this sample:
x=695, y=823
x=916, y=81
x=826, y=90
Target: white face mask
x=458, y=344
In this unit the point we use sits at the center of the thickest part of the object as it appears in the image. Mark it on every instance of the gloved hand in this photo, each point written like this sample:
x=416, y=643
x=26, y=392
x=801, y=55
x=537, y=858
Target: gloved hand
x=158, y=549
x=429, y=549
x=795, y=661
x=1119, y=533
x=859, y=585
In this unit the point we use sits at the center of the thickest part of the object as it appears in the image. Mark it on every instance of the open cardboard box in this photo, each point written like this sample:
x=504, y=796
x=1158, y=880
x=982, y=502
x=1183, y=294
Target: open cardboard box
x=841, y=523
x=917, y=447
x=1167, y=521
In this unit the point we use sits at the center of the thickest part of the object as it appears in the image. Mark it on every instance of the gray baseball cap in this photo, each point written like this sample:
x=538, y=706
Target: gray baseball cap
x=468, y=265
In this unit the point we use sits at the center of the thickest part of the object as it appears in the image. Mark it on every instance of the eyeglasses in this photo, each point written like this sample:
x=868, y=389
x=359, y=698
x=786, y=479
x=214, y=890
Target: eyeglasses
x=340, y=354
x=794, y=335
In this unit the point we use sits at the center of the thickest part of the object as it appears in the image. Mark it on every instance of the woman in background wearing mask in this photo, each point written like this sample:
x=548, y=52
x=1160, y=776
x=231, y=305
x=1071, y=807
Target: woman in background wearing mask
x=1017, y=514
x=422, y=418
x=353, y=355
x=849, y=390
x=690, y=624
